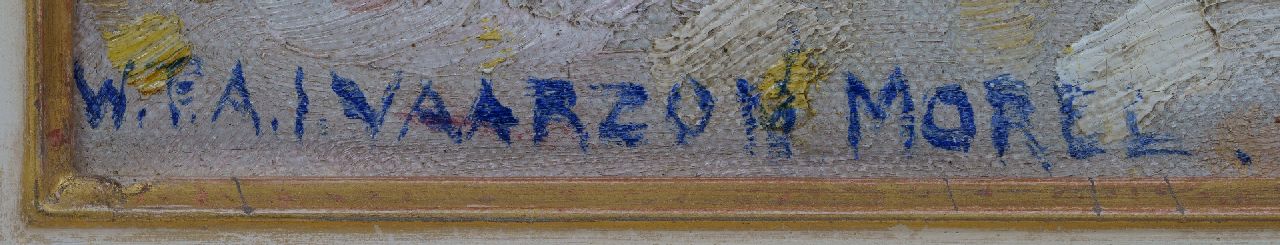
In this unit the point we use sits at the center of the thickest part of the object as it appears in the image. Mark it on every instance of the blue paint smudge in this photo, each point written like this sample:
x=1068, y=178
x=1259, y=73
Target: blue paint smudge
x=1077, y=147
x=174, y=114
x=488, y=112
x=300, y=113
x=437, y=117
x=782, y=122
x=897, y=83
x=275, y=125
x=955, y=139
x=107, y=94
x=706, y=103
x=141, y=114
x=1244, y=158
x=779, y=135
x=244, y=106
x=855, y=89
x=750, y=100
x=553, y=101
x=1012, y=110
x=630, y=97
x=355, y=106
x=1139, y=143
x=182, y=89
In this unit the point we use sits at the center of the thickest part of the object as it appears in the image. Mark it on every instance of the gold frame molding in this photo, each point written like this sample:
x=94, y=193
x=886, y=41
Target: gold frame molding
x=55, y=195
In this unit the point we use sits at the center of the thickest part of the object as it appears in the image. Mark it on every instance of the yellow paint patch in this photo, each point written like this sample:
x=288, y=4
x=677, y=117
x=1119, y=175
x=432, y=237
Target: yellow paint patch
x=492, y=35
x=488, y=66
x=788, y=81
x=154, y=45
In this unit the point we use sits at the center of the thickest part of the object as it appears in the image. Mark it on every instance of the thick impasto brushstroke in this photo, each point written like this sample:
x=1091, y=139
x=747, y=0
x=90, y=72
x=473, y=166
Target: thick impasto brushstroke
x=153, y=42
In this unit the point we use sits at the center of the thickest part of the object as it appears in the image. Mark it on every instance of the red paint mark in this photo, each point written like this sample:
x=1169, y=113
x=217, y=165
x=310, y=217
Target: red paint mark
x=362, y=5
x=202, y=197
x=56, y=138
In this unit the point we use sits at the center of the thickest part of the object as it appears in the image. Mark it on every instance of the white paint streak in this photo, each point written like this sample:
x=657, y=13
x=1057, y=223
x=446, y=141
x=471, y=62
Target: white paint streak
x=587, y=12
x=399, y=35
x=322, y=29
x=1158, y=50
x=727, y=39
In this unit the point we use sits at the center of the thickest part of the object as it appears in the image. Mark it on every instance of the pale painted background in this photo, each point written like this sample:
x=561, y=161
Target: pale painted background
x=1116, y=48
x=12, y=48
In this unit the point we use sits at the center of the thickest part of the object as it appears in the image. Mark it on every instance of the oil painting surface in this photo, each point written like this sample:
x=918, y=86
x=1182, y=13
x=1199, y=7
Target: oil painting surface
x=655, y=88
